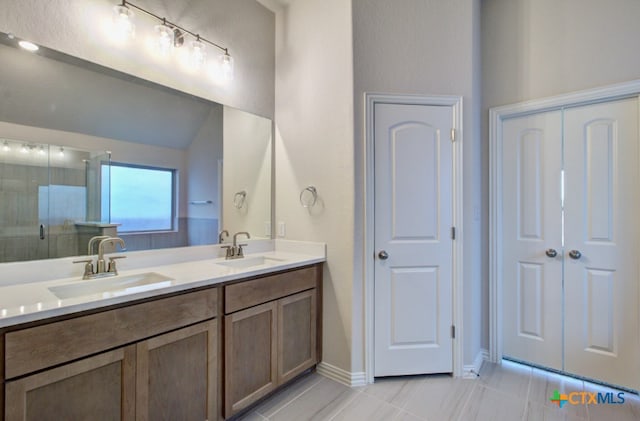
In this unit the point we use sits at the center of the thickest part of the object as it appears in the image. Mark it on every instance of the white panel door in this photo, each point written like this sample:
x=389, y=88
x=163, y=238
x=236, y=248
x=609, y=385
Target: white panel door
x=532, y=239
x=413, y=219
x=601, y=223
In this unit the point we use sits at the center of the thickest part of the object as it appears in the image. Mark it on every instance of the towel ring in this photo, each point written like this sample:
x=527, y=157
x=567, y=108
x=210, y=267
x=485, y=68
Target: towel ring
x=308, y=196
x=239, y=199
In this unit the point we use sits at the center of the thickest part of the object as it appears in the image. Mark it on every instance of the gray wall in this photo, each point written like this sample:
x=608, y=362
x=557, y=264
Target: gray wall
x=314, y=145
x=429, y=48
x=538, y=48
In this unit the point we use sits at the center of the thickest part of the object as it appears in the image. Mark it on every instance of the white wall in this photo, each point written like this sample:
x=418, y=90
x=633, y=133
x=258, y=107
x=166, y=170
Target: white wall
x=314, y=146
x=423, y=47
x=79, y=28
x=247, y=167
x=538, y=48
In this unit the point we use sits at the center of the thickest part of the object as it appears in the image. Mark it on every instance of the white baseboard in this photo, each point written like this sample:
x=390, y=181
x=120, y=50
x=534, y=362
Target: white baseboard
x=341, y=376
x=472, y=371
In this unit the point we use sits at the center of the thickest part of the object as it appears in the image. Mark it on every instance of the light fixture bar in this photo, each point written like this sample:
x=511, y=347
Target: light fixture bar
x=174, y=25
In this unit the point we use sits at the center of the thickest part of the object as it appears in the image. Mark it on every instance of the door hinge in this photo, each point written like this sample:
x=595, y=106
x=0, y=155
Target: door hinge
x=453, y=233
x=453, y=331
x=453, y=135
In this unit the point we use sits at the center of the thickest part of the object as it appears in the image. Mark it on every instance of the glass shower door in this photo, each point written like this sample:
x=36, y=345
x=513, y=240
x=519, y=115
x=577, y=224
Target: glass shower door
x=24, y=183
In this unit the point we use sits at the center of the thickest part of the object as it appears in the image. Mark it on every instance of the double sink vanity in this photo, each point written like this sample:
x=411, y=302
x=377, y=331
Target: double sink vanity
x=176, y=334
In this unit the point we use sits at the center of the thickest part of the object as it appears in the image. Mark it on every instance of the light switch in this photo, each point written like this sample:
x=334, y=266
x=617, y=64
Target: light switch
x=282, y=230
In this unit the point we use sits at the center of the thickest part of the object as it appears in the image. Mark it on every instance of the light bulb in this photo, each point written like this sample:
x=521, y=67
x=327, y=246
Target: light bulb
x=226, y=66
x=27, y=45
x=5, y=146
x=165, y=38
x=198, y=53
x=123, y=26
x=41, y=150
x=61, y=151
x=24, y=149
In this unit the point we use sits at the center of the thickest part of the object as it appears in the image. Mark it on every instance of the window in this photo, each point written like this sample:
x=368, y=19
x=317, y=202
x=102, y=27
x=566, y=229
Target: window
x=141, y=198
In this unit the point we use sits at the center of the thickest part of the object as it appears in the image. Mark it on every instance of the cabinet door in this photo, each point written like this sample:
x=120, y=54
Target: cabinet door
x=101, y=387
x=296, y=334
x=250, y=356
x=177, y=375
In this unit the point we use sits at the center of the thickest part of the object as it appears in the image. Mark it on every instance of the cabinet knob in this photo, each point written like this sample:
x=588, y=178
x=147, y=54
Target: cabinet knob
x=551, y=253
x=383, y=255
x=575, y=254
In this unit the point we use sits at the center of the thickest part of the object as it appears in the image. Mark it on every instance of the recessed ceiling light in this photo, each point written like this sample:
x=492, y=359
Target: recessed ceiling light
x=29, y=46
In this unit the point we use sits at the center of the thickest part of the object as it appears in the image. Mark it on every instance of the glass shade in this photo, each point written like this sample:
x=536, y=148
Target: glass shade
x=226, y=67
x=165, y=38
x=198, y=54
x=123, y=26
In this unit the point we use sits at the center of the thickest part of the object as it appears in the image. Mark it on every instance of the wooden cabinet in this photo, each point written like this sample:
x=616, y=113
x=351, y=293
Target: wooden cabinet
x=296, y=334
x=159, y=369
x=177, y=375
x=250, y=356
x=101, y=387
x=273, y=340
x=161, y=359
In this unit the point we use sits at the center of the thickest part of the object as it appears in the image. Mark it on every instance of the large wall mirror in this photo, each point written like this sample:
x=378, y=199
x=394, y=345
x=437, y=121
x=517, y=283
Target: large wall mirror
x=86, y=150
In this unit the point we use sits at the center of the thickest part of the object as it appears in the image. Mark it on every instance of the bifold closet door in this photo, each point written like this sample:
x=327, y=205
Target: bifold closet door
x=532, y=239
x=602, y=231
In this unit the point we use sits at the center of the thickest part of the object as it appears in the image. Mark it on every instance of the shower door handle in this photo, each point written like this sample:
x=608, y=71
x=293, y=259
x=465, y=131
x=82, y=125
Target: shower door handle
x=42, y=231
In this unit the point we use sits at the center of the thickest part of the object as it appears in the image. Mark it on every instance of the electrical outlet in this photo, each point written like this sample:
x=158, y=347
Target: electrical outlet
x=282, y=229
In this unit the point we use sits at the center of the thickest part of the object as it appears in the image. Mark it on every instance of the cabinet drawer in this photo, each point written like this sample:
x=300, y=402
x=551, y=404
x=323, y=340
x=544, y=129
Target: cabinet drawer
x=44, y=346
x=257, y=291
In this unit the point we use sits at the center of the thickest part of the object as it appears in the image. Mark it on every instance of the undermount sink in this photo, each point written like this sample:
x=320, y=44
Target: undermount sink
x=112, y=287
x=247, y=262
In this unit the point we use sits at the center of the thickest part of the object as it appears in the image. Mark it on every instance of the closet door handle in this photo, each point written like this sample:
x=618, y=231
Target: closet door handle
x=575, y=254
x=551, y=253
x=383, y=255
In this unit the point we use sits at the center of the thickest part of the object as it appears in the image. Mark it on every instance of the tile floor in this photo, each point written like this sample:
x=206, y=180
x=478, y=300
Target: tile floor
x=502, y=393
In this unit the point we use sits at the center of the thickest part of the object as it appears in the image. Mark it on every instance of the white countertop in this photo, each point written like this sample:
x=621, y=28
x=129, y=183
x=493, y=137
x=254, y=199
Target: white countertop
x=25, y=297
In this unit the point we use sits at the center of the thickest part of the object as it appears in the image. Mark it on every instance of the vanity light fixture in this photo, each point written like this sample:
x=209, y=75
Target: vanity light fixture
x=171, y=35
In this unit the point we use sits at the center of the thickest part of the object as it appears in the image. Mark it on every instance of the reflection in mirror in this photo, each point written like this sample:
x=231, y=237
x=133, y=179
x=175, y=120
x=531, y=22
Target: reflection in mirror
x=52, y=100
x=49, y=200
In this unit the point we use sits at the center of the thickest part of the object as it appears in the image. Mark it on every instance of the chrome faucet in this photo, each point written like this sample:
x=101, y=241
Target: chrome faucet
x=220, y=239
x=235, y=251
x=102, y=269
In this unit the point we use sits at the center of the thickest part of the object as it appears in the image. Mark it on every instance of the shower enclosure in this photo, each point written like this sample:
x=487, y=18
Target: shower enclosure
x=50, y=202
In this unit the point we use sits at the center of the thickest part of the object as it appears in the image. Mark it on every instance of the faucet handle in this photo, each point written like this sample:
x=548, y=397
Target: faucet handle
x=88, y=267
x=112, y=263
x=230, y=251
x=240, y=252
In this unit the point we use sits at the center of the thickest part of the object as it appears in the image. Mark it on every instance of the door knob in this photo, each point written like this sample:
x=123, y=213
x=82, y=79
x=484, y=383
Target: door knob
x=383, y=255
x=575, y=254
x=551, y=252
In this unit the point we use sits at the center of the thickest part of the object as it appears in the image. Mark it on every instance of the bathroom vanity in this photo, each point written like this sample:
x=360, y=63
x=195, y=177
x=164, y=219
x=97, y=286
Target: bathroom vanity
x=202, y=348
